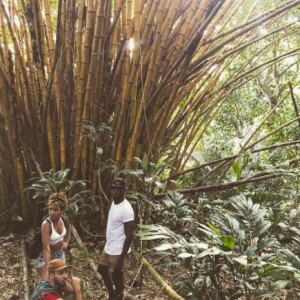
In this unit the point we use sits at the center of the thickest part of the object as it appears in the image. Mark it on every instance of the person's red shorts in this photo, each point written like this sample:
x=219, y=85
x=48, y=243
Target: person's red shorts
x=51, y=297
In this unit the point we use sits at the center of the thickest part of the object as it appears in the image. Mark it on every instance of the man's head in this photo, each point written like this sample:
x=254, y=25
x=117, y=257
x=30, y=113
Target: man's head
x=57, y=270
x=118, y=187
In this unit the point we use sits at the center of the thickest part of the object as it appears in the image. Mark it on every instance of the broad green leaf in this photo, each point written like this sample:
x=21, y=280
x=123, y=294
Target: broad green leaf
x=228, y=241
x=153, y=237
x=237, y=170
x=266, y=243
x=249, y=286
x=241, y=260
x=165, y=247
x=145, y=162
x=279, y=284
x=250, y=250
x=210, y=251
x=260, y=228
x=216, y=230
x=296, y=230
x=265, y=295
x=278, y=272
x=292, y=258
x=186, y=255
x=199, y=245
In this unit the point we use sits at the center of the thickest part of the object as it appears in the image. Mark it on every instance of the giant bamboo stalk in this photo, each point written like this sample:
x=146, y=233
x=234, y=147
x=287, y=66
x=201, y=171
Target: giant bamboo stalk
x=82, y=105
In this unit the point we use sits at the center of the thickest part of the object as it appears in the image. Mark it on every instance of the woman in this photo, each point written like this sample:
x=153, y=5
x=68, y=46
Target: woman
x=56, y=233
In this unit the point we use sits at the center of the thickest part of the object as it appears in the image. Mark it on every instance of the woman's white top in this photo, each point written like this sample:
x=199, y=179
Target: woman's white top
x=55, y=237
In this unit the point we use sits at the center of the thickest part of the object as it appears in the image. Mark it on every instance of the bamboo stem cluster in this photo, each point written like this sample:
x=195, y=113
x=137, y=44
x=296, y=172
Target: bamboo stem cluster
x=150, y=69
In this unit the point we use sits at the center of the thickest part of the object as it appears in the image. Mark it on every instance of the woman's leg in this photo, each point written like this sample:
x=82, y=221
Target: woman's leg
x=41, y=265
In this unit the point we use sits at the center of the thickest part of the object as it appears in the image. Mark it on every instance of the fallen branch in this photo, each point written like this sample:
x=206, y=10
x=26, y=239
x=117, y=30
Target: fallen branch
x=25, y=269
x=221, y=186
x=157, y=278
x=90, y=261
x=232, y=157
x=200, y=167
x=213, y=162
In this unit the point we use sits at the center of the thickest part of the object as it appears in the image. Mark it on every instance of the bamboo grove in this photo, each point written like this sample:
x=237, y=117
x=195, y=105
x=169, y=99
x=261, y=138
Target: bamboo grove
x=148, y=69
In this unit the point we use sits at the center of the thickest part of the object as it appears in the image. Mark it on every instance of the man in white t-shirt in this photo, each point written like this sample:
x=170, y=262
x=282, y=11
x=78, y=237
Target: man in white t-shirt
x=119, y=235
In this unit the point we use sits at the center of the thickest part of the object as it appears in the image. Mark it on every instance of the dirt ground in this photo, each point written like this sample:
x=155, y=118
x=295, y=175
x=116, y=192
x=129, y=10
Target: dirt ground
x=12, y=275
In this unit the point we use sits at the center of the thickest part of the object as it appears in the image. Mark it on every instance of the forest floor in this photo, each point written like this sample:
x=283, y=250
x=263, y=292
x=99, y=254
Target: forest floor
x=12, y=273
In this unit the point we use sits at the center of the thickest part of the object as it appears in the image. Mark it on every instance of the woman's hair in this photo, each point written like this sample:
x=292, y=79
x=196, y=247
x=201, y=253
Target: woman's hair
x=59, y=199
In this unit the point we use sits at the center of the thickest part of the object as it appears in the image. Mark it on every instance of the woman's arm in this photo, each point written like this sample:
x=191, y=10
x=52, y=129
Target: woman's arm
x=67, y=237
x=46, y=231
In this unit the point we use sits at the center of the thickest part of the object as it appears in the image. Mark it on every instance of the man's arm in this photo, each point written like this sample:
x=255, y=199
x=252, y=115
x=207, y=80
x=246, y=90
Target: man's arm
x=73, y=287
x=129, y=228
x=75, y=281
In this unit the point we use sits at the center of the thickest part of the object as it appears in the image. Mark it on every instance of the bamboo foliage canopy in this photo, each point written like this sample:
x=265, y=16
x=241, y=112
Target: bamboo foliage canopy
x=149, y=69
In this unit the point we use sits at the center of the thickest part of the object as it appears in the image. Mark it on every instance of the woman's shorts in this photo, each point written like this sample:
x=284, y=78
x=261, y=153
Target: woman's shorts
x=59, y=254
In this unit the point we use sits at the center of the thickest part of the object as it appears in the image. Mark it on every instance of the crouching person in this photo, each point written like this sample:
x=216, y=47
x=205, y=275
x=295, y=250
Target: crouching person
x=58, y=286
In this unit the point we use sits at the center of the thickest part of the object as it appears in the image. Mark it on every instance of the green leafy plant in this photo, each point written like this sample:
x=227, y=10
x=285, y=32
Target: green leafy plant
x=176, y=213
x=80, y=199
x=233, y=255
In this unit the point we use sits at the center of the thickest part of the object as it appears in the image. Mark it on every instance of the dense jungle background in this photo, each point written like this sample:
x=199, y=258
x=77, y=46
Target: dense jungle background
x=194, y=102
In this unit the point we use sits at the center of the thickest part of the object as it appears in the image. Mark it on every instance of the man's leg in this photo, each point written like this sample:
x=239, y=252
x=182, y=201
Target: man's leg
x=103, y=270
x=118, y=280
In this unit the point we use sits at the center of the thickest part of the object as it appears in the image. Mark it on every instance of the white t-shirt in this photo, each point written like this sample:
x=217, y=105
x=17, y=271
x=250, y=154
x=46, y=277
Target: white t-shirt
x=115, y=233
